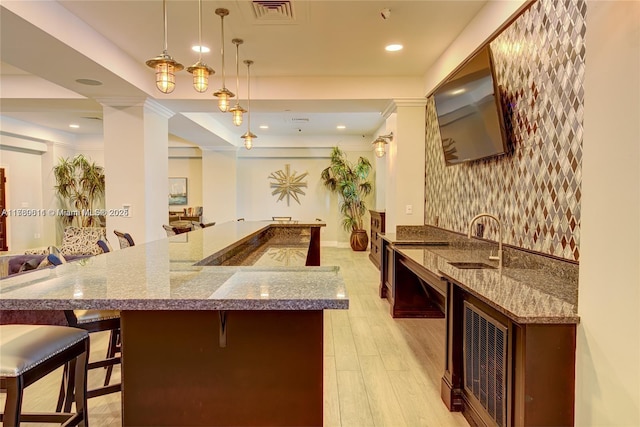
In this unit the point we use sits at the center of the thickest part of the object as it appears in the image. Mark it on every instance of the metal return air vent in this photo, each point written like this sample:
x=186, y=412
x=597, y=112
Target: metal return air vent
x=485, y=362
x=277, y=10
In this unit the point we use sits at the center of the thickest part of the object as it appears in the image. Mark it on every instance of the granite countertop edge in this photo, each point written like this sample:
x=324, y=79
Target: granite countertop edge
x=434, y=242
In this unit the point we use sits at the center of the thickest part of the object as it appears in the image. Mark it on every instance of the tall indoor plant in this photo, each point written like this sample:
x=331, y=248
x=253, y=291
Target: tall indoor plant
x=80, y=185
x=349, y=181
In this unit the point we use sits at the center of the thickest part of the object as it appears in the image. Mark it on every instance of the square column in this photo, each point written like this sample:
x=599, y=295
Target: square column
x=136, y=157
x=405, y=163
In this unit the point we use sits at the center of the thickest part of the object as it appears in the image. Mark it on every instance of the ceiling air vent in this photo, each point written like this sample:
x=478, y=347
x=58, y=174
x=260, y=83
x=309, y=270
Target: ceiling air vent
x=265, y=10
x=300, y=120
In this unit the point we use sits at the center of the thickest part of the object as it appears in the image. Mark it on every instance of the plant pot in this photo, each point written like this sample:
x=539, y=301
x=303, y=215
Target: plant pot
x=359, y=240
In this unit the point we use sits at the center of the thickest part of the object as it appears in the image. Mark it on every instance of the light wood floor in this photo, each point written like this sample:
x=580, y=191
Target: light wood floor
x=379, y=371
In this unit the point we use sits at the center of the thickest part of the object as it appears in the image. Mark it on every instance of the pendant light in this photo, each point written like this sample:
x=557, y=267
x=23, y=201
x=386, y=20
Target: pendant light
x=237, y=110
x=248, y=136
x=200, y=70
x=164, y=64
x=223, y=94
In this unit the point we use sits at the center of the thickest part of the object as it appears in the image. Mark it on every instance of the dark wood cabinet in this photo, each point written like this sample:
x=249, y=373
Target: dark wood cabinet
x=538, y=373
x=412, y=291
x=377, y=226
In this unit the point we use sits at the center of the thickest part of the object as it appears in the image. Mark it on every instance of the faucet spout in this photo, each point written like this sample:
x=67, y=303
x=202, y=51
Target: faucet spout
x=474, y=219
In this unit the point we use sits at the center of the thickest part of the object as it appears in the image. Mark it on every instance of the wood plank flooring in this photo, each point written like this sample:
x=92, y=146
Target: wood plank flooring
x=379, y=371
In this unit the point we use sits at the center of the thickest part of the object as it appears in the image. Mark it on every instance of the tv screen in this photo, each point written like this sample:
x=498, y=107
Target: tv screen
x=469, y=113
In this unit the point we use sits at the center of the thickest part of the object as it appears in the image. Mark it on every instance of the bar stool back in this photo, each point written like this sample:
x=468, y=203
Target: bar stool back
x=30, y=352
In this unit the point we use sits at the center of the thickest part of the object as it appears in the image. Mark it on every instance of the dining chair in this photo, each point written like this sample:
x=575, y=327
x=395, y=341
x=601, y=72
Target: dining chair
x=125, y=239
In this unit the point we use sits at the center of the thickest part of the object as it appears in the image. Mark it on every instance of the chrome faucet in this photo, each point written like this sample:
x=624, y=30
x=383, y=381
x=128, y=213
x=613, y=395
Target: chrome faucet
x=491, y=257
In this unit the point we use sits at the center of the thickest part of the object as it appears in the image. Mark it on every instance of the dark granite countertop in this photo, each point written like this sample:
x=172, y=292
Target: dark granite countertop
x=528, y=289
x=161, y=275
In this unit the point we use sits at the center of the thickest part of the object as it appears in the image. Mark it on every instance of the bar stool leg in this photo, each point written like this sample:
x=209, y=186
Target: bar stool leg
x=13, y=405
x=80, y=385
x=114, y=339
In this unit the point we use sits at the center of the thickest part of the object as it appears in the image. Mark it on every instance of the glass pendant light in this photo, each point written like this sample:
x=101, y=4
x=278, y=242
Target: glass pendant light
x=164, y=64
x=223, y=94
x=248, y=136
x=200, y=70
x=237, y=110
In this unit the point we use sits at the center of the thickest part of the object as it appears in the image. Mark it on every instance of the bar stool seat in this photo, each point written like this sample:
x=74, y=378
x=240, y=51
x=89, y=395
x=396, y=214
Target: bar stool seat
x=30, y=352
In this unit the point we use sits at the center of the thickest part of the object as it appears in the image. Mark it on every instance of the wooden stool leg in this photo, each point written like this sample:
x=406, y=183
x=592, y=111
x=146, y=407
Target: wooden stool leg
x=71, y=380
x=64, y=386
x=13, y=405
x=111, y=352
x=80, y=385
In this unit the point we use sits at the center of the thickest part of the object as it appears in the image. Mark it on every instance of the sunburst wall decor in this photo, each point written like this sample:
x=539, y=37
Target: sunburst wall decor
x=287, y=184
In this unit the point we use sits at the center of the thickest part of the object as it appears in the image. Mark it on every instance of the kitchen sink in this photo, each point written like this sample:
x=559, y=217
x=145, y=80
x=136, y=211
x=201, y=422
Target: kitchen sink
x=471, y=265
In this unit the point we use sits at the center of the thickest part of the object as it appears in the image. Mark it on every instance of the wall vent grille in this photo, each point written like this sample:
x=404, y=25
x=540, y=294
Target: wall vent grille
x=485, y=362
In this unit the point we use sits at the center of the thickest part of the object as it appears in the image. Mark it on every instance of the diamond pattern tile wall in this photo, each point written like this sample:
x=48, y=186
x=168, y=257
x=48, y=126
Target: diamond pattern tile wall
x=535, y=189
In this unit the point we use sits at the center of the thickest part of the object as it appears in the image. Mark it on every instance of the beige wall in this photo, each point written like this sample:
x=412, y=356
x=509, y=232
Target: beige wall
x=190, y=168
x=608, y=353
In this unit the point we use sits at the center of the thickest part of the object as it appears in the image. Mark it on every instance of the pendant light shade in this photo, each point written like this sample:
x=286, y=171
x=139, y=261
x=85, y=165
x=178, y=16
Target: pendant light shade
x=237, y=110
x=164, y=65
x=223, y=94
x=248, y=135
x=200, y=70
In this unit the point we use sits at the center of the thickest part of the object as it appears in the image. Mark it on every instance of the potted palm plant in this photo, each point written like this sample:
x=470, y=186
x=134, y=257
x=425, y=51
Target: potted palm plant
x=80, y=189
x=349, y=181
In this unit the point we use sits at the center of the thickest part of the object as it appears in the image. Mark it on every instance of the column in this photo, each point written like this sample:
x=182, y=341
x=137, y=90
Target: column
x=405, y=163
x=136, y=167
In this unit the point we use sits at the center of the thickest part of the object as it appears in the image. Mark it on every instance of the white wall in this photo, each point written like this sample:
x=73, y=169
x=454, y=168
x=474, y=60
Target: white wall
x=190, y=168
x=28, y=153
x=219, y=189
x=255, y=201
x=24, y=190
x=608, y=350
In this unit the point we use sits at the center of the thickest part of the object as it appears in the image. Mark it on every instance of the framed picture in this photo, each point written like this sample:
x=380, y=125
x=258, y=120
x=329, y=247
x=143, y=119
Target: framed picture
x=178, y=191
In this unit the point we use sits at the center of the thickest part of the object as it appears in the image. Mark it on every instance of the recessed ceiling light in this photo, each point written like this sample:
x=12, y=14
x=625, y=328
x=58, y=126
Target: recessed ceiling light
x=197, y=48
x=264, y=126
x=74, y=126
x=89, y=82
x=341, y=127
x=393, y=47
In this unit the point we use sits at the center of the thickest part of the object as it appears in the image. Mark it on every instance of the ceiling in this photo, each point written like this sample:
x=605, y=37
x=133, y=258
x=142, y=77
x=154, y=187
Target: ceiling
x=319, y=65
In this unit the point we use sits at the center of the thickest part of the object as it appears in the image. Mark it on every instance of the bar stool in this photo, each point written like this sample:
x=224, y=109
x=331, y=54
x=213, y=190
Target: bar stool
x=30, y=352
x=91, y=321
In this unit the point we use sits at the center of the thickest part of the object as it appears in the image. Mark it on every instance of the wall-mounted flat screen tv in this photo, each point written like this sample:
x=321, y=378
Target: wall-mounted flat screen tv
x=469, y=113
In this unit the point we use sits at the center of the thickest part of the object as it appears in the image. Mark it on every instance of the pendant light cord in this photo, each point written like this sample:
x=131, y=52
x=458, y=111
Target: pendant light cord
x=164, y=12
x=249, y=96
x=199, y=30
x=222, y=38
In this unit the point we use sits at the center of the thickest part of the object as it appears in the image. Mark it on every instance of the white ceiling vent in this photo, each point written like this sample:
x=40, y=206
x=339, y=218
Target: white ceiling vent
x=277, y=10
x=300, y=120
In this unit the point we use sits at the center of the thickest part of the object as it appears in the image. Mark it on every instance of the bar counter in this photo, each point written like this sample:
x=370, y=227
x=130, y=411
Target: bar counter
x=204, y=344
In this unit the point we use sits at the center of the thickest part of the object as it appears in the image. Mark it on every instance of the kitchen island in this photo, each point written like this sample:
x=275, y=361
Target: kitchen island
x=213, y=344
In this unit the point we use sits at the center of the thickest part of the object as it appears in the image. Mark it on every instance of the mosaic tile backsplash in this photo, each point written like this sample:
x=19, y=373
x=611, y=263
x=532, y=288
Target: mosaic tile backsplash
x=535, y=189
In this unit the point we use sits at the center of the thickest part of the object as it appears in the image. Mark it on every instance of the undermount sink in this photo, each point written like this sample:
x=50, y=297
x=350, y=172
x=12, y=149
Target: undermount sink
x=471, y=265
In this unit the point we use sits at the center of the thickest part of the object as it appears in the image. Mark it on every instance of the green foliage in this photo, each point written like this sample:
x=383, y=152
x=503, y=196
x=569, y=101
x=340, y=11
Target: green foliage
x=80, y=189
x=349, y=180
